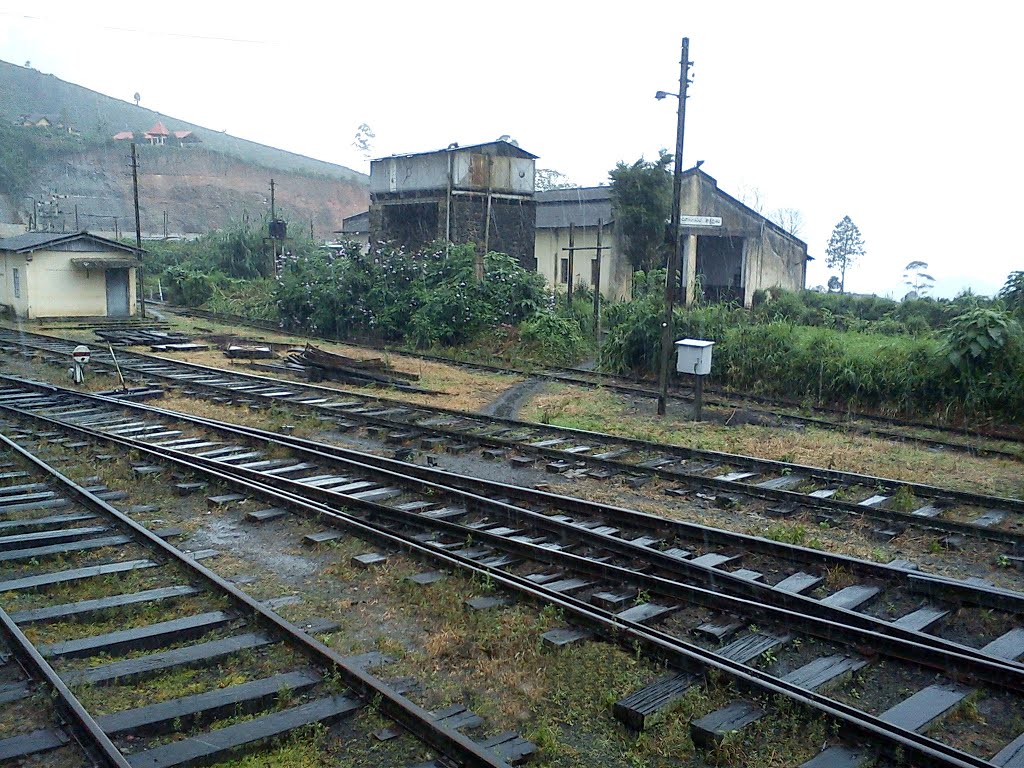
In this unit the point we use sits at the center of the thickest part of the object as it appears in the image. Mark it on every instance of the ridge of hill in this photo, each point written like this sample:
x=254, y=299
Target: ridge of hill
x=204, y=186
x=96, y=115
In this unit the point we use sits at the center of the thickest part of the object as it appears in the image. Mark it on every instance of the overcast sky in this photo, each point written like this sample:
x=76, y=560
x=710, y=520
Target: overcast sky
x=903, y=115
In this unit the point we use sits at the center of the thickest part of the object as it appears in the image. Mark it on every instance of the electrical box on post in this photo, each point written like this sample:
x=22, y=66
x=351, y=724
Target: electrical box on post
x=278, y=229
x=693, y=356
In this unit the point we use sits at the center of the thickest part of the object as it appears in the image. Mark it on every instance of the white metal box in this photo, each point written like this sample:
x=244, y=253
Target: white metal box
x=694, y=356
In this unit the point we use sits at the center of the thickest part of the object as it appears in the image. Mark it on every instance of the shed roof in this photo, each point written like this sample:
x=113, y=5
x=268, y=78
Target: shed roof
x=756, y=218
x=356, y=223
x=581, y=206
x=158, y=130
x=500, y=147
x=123, y=135
x=40, y=241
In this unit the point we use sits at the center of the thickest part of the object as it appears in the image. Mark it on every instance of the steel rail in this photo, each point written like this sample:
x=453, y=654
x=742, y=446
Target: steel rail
x=820, y=473
x=708, y=576
x=626, y=384
x=409, y=715
x=85, y=725
x=992, y=597
x=1016, y=540
x=851, y=626
x=922, y=749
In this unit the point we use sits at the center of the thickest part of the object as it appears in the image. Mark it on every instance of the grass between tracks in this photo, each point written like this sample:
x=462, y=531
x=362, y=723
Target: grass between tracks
x=605, y=411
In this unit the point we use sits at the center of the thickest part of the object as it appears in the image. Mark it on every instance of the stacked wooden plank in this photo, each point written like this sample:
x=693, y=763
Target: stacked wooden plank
x=318, y=364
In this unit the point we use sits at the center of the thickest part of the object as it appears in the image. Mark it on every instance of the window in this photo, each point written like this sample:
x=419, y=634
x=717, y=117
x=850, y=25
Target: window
x=565, y=271
x=16, y=277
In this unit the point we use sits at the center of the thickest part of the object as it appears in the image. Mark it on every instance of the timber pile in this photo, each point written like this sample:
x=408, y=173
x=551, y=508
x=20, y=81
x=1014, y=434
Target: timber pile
x=149, y=336
x=318, y=364
x=250, y=352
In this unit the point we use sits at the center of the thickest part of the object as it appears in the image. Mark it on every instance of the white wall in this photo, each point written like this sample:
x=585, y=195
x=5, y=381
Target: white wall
x=616, y=273
x=51, y=286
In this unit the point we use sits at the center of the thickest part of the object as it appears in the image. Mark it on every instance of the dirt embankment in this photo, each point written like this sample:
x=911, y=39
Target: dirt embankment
x=199, y=189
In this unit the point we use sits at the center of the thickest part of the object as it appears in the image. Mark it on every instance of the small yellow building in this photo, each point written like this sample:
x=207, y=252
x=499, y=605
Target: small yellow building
x=586, y=209
x=51, y=274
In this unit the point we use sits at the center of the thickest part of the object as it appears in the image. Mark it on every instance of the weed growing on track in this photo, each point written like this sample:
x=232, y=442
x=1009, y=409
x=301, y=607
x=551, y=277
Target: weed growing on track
x=606, y=411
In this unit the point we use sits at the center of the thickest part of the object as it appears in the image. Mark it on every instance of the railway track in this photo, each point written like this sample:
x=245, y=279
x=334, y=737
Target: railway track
x=943, y=437
x=779, y=489
x=618, y=583
x=92, y=604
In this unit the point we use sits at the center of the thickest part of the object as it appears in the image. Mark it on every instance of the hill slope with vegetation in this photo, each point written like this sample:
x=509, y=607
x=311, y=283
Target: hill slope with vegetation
x=202, y=187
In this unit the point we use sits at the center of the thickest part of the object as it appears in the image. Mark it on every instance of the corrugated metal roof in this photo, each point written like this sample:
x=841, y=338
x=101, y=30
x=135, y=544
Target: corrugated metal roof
x=505, y=147
x=359, y=222
x=37, y=241
x=573, y=194
x=582, y=206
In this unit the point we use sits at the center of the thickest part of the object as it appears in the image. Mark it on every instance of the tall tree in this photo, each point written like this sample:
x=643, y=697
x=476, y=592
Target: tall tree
x=363, y=140
x=548, y=178
x=642, y=199
x=844, y=248
x=915, y=276
x=790, y=219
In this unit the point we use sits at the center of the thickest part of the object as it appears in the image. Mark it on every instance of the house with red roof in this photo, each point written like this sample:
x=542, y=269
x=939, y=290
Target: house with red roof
x=157, y=135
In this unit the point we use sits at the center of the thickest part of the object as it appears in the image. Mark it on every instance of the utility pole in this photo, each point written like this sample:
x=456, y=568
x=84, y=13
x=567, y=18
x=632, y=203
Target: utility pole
x=572, y=253
x=138, y=232
x=595, y=272
x=273, y=236
x=671, y=279
x=597, y=284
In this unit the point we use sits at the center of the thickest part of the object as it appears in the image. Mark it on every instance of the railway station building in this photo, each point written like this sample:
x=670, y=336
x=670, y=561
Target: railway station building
x=726, y=260
x=52, y=274
x=730, y=251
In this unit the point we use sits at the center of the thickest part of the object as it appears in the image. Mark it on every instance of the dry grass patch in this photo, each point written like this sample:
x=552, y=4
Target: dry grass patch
x=456, y=387
x=605, y=411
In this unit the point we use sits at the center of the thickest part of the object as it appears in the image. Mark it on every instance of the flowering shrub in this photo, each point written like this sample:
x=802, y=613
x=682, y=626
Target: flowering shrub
x=431, y=297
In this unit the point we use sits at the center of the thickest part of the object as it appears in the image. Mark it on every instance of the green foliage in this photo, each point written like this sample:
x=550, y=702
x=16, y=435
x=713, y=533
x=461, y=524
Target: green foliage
x=978, y=337
x=427, y=298
x=844, y=247
x=20, y=153
x=642, y=198
x=861, y=352
x=553, y=338
x=190, y=286
x=1012, y=292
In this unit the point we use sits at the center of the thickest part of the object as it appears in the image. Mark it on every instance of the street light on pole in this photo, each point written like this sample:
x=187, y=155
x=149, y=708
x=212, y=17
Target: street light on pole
x=671, y=280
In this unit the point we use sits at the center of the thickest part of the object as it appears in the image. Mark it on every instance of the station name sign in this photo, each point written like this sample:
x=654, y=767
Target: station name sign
x=700, y=221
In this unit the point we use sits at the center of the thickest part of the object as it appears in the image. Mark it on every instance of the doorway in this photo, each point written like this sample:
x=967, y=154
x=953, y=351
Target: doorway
x=117, y=293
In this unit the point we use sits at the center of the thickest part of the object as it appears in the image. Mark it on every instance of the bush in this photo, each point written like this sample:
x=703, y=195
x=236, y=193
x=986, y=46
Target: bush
x=426, y=298
x=191, y=287
x=553, y=338
x=786, y=349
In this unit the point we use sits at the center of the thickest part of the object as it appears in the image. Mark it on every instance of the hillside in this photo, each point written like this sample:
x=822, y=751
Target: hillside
x=202, y=186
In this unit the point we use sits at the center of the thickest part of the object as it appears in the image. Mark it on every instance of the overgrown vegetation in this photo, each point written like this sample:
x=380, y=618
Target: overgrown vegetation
x=642, y=196
x=426, y=299
x=951, y=358
x=20, y=153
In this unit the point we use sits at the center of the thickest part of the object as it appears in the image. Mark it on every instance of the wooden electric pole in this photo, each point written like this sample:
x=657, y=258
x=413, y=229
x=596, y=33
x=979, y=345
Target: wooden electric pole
x=596, y=273
x=138, y=232
x=671, y=279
